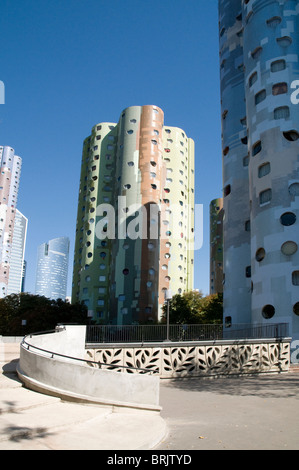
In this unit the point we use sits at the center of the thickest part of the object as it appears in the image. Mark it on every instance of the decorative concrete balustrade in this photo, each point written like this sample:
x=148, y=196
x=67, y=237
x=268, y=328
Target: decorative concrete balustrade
x=128, y=374
x=195, y=359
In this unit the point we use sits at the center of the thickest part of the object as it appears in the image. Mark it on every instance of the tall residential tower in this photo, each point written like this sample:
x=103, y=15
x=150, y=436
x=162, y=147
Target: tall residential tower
x=9, y=186
x=259, y=48
x=135, y=217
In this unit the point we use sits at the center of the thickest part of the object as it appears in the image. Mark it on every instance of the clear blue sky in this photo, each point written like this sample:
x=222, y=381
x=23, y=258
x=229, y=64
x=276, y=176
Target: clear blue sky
x=69, y=64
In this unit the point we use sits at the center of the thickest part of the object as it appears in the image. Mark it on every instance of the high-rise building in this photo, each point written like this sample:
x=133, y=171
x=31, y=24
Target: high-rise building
x=52, y=268
x=9, y=185
x=259, y=48
x=17, y=262
x=216, y=246
x=135, y=221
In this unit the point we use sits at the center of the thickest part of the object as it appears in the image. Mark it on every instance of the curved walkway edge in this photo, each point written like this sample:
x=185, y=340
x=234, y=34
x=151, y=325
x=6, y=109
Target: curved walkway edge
x=34, y=421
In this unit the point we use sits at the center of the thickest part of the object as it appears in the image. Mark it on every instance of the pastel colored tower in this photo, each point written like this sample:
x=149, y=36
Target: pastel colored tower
x=52, y=268
x=135, y=220
x=9, y=185
x=259, y=47
x=17, y=262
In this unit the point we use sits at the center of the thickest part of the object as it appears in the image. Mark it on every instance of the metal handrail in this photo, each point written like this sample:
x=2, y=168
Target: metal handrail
x=77, y=358
x=181, y=333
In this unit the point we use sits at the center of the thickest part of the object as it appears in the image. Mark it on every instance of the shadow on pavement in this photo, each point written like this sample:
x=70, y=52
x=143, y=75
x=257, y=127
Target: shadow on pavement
x=264, y=386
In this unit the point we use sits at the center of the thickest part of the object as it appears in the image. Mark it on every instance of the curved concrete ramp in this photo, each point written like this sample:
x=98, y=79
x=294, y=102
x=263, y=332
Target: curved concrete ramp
x=47, y=365
x=35, y=421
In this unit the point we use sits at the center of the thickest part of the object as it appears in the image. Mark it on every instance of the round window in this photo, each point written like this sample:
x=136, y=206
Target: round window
x=268, y=311
x=260, y=254
x=296, y=309
x=289, y=248
x=288, y=218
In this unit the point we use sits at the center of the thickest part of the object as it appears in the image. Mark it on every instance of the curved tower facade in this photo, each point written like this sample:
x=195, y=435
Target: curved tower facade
x=236, y=235
x=271, y=49
x=137, y=179
x=270, y=30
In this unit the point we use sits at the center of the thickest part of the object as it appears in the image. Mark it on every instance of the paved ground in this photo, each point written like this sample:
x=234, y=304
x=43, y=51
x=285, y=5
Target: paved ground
x=242, y=413
x=247, y=413
x=34, y=421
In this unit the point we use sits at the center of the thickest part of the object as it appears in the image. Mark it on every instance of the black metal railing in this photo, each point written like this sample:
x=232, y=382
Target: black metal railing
x=198, y=332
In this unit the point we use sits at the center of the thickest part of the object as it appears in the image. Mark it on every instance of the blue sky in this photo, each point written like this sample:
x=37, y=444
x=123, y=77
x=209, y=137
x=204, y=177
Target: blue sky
x=69, y=64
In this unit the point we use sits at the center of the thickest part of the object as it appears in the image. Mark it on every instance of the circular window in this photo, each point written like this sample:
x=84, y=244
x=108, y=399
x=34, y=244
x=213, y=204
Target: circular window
x=127, y=186
x=291, y=135
x=126, y=246
x=103, y=254
x=296, y=309
x=125, y=271
x=260, y=254
x=289, y=248
x=288, y=218
x=268, y=311
x=130, y=131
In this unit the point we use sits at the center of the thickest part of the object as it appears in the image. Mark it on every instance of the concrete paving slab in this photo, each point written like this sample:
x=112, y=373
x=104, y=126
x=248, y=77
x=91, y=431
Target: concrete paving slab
x=233, y=413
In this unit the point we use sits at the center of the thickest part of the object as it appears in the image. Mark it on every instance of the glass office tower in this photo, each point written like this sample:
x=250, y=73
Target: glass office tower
x=52, y=268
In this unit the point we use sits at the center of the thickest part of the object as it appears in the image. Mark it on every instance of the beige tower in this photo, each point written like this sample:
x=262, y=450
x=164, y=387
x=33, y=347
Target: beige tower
x=135, y=224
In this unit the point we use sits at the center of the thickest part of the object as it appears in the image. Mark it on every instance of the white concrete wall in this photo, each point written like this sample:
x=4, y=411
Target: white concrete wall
x=76, y=380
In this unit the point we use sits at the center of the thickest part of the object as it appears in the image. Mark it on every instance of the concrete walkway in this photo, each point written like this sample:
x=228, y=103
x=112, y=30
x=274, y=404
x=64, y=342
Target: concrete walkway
x=247, y=413
x=241, y=413
x=34, y=421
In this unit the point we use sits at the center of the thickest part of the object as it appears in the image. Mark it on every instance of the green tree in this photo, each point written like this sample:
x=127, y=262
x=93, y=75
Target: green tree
x=212, y=309
x=192, y=308
x=39, y=314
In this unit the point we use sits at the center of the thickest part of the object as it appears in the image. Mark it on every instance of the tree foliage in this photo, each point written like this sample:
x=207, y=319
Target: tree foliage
x=192, y=308
x=25, y=313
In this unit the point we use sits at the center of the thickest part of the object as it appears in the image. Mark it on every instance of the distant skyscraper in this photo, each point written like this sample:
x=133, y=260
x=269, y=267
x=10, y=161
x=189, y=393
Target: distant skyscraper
x=52, y=268
x=9, y=185
x=137, y=246
x=216, y=246
x=16, y=274
x=259, y=47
